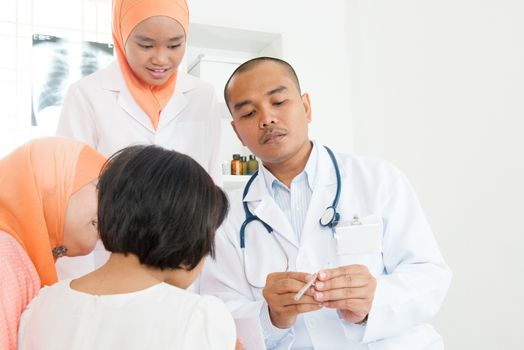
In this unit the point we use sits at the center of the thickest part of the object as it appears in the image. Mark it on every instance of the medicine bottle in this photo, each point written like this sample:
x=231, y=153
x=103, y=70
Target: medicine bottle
x=243, y=160
x=252, y=165
x=236, y=165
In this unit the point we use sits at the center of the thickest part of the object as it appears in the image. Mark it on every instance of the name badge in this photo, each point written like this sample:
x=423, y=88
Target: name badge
x=358, y=238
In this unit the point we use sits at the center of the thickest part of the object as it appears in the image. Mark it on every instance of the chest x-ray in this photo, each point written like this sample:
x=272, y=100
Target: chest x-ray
x=57, y=63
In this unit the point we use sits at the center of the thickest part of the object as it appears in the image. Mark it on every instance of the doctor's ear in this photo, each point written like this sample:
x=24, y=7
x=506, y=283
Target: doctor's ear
x=236, y=132
x=307, y=105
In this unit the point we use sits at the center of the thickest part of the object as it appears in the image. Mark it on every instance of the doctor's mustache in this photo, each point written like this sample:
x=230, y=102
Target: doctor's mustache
x=270, y=132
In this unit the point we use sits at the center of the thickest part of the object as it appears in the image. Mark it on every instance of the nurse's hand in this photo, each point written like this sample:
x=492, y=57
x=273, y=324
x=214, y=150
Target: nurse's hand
x=350, y=289
x=279, y=291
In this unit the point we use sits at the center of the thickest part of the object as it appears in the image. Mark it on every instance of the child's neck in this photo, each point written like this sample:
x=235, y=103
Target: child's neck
x=119, y=275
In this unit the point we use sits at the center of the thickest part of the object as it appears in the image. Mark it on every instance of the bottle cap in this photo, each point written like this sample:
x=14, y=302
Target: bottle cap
x=236, y=156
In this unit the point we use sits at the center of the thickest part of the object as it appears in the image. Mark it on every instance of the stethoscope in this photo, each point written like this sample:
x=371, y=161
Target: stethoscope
x=330, y=218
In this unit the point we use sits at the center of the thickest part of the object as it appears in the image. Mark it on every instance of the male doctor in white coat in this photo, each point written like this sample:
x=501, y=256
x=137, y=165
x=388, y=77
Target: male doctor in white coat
x=378, y=274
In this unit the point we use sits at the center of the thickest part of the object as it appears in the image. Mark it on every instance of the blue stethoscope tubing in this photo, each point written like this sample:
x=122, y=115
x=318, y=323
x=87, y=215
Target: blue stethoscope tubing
x=330, y=218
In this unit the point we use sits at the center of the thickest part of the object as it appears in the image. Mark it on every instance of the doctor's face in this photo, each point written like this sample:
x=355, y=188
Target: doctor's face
x=155, y=49
x=270, y=117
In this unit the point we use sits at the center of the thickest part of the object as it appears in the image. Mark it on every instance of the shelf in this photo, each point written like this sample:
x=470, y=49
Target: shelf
x=236, y=178
x=232, y=182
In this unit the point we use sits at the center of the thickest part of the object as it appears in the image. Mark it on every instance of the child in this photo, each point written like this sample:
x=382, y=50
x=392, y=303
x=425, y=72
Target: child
x=157, y=215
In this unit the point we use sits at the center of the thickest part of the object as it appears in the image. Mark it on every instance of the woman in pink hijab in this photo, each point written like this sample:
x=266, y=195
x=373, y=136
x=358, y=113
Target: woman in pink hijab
x=47, y=210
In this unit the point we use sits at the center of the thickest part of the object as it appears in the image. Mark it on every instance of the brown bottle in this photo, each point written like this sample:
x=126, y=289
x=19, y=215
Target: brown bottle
x=236, y=165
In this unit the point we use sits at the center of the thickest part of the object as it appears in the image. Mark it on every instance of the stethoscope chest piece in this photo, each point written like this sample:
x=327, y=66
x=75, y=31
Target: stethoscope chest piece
x=329, y=218
x=264, y=258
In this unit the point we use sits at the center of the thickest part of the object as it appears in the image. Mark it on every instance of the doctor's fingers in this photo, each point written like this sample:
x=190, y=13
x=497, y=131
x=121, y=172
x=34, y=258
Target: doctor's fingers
x=285, y=286
x=290, y=275
x=284, y=303
x=350, y=280
x=303, y=308
x=344, y=294
x=304, y=304
x=358, y=306
x=341, y=271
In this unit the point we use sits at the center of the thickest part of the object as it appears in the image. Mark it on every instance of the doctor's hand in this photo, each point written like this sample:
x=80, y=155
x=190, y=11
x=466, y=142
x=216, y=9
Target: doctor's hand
x=279, y=291
x=350, y=289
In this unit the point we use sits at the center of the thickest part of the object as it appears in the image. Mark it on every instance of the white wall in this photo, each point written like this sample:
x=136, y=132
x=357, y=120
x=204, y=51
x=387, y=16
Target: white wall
x=438, y=89
x=313, y=41
x=88, y=20
x=310, y=32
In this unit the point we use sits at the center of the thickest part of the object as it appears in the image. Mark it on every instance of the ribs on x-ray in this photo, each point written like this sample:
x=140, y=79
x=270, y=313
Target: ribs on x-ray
x=58, y=63
x=51, y=93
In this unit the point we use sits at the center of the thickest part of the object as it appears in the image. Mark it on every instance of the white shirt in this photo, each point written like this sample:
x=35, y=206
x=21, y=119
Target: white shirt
x=100, y=111
x=293, y=201
x=412, y=277
x=159, y=317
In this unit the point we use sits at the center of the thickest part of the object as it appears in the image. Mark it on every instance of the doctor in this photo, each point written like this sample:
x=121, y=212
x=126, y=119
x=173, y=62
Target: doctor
x=143, y=98
x=351, y=224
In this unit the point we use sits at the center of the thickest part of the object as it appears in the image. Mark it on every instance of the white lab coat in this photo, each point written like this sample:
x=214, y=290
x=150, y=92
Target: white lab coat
x=101, y=111
x=412, y=277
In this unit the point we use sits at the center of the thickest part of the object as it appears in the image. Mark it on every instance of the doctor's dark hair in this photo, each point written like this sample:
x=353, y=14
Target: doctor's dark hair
x=159, y=205
x=252, y=63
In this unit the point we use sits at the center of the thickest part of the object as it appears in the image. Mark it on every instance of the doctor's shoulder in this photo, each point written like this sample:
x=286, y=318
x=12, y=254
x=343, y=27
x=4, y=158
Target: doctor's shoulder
x=229, y=230
x=91, y=86
x=376, y=172
x=234, y=195
x=109, y=73
x=195, y=87
x=202, y=105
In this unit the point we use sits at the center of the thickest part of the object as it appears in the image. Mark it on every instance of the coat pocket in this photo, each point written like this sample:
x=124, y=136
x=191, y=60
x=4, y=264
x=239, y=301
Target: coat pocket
x=361, y=243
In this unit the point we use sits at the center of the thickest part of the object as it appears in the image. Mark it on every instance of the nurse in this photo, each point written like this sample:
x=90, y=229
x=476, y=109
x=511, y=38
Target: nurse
x=47, y=210
x=351, y=225
x=143, y=98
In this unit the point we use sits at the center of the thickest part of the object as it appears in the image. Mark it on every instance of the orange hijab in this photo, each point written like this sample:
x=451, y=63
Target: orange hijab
x=127, y=14
x=36, y=181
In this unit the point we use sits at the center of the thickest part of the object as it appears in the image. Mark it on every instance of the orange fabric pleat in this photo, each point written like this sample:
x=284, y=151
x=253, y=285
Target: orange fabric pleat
x=36, y=181
x=127, y=14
